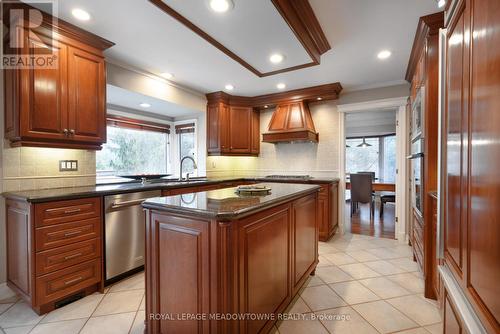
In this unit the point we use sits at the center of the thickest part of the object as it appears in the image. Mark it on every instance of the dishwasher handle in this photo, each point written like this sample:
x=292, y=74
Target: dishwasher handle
x=118, y=205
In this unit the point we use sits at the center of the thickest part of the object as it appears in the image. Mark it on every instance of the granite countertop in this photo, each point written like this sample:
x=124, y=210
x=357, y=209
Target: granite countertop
x=45, y=195
x=227, y=204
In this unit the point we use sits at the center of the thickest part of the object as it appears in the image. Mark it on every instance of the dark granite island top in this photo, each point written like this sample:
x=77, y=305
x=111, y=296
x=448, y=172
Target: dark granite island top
x=227, y=204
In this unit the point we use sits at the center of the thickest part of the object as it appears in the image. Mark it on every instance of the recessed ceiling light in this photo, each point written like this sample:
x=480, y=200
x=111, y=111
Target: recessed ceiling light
x=80, y=14
x=145, y=105
x=281, y=86
x=266, y=106
x=319, y=98
x=441, y=3
x=229, y=87
x=167, y=75
x=221, y=6
x=276, y=58
x=384, y=54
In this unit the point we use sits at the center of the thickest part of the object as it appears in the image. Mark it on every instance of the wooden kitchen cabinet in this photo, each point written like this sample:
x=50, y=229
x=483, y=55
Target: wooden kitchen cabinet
x=54, y=250
x=471, y=155
x=232, y=130
x=64, y=105
x=423, y=74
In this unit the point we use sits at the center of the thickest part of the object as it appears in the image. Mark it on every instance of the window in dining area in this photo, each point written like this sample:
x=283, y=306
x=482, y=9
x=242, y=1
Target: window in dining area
x=372, y=154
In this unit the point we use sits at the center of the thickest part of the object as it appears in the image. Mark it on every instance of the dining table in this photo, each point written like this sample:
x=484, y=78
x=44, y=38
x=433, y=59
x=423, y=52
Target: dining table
x=378, y=185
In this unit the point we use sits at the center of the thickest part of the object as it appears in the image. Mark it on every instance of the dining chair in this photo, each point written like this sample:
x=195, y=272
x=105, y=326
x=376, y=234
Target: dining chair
x=371, y=173
x=362, y=191
x=386, y=197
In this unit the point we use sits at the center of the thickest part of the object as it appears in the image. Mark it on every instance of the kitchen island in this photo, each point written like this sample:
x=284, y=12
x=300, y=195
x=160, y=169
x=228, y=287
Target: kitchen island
x=221, y=262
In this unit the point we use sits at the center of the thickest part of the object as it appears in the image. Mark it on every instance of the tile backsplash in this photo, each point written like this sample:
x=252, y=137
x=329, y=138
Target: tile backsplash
x=27, y=168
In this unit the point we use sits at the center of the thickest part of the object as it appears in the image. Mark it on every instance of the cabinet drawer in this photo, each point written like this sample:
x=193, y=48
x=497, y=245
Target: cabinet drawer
x=67, y=281
x=66, y=256
x=66, y=211
x=67, y=233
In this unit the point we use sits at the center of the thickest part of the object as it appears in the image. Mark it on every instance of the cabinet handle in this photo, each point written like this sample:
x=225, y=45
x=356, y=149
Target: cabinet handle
x=79, y=278
x=72, y=211
x=72, y=256
x=69, y=234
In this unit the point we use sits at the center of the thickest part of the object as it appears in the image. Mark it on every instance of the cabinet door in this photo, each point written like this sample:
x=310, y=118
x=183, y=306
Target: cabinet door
x=456, y=108
x=240, y=121
x=483, y=247
x=86, y=92
x=255, y=149
x=44, y=92
x=305, y=242
x=217, y=128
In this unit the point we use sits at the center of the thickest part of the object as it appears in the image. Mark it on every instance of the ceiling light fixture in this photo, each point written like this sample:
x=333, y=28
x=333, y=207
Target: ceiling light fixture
x=319, y=98
x=281, y=86
x=145, y=105
x=167, y=75
x=441, y=3
x=276, y=58
x=229, y=87
x=266, y=106
x=384, y=54
x=80, y=14
x=221, y=6
x=364, y=144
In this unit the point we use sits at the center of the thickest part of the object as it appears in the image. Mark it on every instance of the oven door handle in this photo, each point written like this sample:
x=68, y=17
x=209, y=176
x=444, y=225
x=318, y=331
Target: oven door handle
x=415, y=156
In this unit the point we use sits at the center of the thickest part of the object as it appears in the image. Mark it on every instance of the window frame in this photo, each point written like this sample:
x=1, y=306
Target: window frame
x=143, y=125
x=381, y=151
x=180, y=128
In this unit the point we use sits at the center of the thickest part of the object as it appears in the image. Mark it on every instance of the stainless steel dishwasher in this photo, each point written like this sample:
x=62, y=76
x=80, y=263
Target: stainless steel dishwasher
x=124, y=232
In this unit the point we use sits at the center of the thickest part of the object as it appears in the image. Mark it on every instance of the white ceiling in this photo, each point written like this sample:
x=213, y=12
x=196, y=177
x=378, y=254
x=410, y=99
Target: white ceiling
x=149, y=39
x=252, y=29
x=370, y=123
x=117, y=96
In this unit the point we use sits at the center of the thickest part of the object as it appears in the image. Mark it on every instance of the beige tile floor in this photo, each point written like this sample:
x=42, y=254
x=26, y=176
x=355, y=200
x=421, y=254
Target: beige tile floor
x=362, y=285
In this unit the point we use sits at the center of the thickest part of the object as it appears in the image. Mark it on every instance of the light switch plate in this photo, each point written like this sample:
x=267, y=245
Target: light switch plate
x=68, y=165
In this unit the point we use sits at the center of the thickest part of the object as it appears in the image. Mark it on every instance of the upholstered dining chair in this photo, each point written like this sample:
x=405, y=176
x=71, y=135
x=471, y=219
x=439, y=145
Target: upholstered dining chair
x=362, y=191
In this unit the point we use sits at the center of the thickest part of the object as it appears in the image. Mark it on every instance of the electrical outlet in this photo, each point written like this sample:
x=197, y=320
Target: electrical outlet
x=68, y=165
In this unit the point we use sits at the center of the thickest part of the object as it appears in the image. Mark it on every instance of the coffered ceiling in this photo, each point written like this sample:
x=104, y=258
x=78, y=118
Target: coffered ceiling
x=149, y=39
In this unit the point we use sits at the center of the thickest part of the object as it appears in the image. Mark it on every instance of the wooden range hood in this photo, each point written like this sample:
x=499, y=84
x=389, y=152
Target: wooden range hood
x=291, y=122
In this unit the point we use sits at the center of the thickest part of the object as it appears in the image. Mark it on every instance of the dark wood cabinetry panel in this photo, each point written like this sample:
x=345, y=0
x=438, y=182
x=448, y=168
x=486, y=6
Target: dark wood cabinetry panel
x=305, y=234
x=240, y=130
x=242, y=266
x=62, y=106
x=232, y=130
x=44, y=100
x=473, y=131
x=423, y=73
x=87, y=96
x=54, y=250
x=265, y=265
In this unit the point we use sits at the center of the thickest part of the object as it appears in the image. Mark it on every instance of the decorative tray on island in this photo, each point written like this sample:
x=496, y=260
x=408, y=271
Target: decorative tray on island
x=253, y=190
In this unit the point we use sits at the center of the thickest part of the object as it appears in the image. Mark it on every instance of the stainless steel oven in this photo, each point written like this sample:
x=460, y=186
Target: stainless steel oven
x=417, y=114
x=417, y=172
x=124, y=232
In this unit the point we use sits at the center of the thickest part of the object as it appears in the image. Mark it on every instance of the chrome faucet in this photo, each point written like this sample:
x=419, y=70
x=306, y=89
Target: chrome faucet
x=182, y=161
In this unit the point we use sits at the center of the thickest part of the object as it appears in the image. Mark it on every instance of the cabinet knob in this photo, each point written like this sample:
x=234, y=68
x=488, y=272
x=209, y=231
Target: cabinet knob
x=65, y=132
x=72, y=131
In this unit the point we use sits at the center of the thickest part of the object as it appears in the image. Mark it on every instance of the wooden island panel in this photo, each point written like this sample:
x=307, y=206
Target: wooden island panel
x=209, y=266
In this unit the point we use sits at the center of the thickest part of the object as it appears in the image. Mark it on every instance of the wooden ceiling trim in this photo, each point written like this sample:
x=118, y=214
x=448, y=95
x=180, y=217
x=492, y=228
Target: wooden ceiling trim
x=429, y=24
x=300, y=18
x=325, y=92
